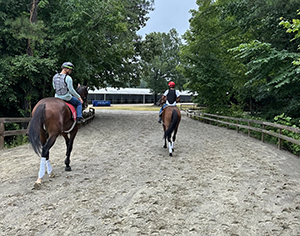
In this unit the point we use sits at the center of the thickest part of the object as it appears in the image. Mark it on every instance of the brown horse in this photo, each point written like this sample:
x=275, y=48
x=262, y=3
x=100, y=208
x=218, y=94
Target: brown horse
x=171, y=117
x=51, y=117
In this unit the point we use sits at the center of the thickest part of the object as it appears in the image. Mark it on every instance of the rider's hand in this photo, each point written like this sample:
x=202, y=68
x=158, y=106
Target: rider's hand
x=80, y=99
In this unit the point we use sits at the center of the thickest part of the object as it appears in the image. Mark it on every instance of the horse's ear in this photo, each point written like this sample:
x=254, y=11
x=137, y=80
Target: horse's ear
x=87, y=88
x=78, y=85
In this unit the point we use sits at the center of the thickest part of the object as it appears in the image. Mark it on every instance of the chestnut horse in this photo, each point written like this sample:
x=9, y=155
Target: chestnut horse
x=171, y=117
x=51, y=117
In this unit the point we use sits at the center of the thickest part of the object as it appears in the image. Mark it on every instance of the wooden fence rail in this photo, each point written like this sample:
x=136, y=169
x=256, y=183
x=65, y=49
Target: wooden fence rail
x=4, y=133
x=89, y=116
x=232, y=121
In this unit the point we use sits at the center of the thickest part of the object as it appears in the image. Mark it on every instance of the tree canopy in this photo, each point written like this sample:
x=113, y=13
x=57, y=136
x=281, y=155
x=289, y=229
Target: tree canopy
x=237, y=53
x=98, y=36
x=160, y=59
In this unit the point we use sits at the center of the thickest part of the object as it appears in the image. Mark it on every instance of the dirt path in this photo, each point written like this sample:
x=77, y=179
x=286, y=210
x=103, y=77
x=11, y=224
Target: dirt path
x=123, y=182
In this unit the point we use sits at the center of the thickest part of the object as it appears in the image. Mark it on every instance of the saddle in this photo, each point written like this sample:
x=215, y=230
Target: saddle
x=73, y=111
x=169, y=105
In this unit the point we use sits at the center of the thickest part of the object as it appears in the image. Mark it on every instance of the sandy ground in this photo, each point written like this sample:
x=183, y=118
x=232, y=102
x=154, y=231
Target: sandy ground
x=123, y=182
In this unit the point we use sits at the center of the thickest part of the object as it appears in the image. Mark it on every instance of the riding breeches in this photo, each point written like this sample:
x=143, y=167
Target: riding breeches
x=75, y=102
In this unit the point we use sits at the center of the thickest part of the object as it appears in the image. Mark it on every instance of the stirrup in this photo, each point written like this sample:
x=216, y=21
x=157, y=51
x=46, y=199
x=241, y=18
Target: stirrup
x=80, y=120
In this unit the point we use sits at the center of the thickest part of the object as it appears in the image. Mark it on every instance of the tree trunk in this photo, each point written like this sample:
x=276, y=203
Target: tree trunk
x=32, y=20
x=155, y=98
x=29, y=52
x=251, y=105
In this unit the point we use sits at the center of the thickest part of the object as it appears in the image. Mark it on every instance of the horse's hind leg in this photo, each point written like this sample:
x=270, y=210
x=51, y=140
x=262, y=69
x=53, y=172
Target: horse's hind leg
x=69, y=143
x=165, y=143
x=165, y=138
x=45, y=161
x=68, y=153
x=174, y=138
x=170, y=146
x=43, y=138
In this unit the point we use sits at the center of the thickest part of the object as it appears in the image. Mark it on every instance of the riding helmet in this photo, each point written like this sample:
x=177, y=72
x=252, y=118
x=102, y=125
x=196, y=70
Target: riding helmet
x=171, y=84
x=68, y=65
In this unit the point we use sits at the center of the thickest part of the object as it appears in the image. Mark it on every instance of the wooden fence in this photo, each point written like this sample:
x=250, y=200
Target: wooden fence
x=190, y=106
x=4, y=133
x=89, y=116
x=248, y=125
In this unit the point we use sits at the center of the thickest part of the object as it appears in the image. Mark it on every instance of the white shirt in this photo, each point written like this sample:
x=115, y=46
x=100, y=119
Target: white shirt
x=177, y=95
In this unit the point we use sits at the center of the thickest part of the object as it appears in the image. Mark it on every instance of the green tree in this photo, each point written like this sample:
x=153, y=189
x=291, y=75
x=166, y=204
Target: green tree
x=160, y=59
x=100, y=38
x=260, y=76
x=36, y=37
x=23, y=72
x=205, y=61
x=293, y=27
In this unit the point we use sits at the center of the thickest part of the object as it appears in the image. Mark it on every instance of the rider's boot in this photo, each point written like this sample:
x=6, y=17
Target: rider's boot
x=159, y=119
x=80, y=120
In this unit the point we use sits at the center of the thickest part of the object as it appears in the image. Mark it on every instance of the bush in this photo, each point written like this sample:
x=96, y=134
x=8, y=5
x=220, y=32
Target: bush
x=288, y=121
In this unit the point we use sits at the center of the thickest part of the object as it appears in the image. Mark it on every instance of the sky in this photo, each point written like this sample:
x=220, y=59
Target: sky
x=169, y=14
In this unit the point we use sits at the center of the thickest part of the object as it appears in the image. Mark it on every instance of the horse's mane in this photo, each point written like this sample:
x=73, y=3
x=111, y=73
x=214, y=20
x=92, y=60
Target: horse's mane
x=83, y=92
x=80, y=88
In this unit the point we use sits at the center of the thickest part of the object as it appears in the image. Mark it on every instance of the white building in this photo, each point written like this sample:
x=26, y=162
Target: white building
x=130, y=95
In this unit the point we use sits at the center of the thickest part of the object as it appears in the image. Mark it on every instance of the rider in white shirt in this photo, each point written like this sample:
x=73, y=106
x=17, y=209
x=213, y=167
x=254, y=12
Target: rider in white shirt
x=172, y=96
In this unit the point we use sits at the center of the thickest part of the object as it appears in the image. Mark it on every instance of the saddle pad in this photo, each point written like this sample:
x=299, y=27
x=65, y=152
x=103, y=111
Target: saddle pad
x=73, y=111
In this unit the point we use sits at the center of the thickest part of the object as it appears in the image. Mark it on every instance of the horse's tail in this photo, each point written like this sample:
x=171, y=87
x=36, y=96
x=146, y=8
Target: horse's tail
x=173, y=124
x=36, y=123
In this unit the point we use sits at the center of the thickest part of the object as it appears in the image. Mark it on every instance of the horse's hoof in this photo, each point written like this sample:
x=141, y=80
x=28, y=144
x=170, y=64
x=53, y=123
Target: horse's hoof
x=37, y=185
x=52, y=175
x=165, y=146
x=170, y=154
x=68, y=168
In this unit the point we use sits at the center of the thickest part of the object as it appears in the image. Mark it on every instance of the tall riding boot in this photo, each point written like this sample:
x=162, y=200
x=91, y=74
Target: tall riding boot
x=159, y=119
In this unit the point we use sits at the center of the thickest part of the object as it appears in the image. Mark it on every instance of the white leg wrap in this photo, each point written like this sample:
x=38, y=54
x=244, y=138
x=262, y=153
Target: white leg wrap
x=170, y=147
x=49, y=168
x=42, y=167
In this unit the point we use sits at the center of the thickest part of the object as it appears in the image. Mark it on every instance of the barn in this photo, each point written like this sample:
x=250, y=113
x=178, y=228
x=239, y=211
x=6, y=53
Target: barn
x=130, y=95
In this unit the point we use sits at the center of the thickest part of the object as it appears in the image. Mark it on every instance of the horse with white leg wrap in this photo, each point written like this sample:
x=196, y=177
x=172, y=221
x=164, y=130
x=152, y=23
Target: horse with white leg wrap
x=171, y=117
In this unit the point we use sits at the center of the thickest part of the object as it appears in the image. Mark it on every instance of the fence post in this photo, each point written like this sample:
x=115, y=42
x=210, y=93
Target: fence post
x=249, y=131
x=238, y=128
x=263, y=134
x=2, y=129
x=279, y=139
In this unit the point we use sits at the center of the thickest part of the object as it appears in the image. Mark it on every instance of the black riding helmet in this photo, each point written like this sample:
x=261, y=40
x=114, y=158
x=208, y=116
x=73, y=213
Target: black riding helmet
x=68, y=65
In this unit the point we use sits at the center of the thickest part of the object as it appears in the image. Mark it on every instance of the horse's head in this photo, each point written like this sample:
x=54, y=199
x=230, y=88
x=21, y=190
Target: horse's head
x=158, y=102
x=83, y=92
